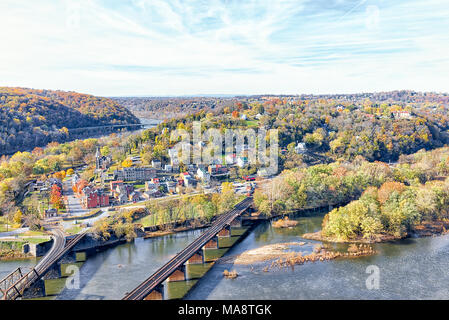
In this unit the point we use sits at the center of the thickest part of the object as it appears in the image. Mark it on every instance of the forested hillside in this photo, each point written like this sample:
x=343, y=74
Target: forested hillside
x=31, y=118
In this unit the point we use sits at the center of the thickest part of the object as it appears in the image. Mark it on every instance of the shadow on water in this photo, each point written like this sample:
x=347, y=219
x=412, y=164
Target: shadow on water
x=86, y=273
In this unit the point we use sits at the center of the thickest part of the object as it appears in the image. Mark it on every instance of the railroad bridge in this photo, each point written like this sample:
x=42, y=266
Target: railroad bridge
x=31, y=284
x=175, y=270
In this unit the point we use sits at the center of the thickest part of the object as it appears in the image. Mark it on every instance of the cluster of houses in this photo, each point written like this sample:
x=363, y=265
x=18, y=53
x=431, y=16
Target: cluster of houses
x=46, y=185
x=89, y=195
x=122, y=192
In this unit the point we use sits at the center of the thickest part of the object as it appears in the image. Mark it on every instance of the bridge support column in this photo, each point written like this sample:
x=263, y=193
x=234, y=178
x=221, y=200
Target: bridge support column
x=36, y=290
x=54, y=272
x=179, y=274
x=212, y=244
x=237, y=222
x=197, y=258
x=225, y=232
x=70, y=257
x=156, y=294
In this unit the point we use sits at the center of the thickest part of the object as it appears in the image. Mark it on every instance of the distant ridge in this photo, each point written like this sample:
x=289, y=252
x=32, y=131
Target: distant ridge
x=30, y=118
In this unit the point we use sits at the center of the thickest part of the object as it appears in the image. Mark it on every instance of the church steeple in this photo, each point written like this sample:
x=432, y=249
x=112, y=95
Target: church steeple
x=98, y=158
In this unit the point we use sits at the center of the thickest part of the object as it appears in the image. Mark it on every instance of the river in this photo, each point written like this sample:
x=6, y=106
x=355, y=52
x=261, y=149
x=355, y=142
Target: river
x=408, y=269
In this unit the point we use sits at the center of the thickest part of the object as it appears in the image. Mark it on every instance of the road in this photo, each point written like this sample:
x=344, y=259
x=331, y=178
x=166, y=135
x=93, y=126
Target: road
x=13, y=233
x=74, y=206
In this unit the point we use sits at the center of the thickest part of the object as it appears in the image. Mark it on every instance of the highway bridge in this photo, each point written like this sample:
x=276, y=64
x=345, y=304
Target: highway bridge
x=15, y=284
x=155, y=281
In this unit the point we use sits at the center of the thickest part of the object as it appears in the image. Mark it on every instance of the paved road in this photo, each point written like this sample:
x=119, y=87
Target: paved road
x=74, y=204
x=13, y=233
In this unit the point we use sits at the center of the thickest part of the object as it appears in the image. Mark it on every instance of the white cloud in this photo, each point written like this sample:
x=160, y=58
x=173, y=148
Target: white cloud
x=191, y=47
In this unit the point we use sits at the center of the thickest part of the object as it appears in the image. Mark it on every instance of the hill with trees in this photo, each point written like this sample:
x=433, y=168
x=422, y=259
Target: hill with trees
x=30, y=118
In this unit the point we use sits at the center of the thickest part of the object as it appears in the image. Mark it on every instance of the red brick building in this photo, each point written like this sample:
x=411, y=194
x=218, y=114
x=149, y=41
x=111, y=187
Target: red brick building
x=94, y=198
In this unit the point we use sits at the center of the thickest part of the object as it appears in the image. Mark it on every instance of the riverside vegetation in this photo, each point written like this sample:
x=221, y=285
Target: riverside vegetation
x=385, y=202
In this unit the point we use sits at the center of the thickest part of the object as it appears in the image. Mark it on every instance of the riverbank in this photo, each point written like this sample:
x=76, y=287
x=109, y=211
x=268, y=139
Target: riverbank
x=9, y=255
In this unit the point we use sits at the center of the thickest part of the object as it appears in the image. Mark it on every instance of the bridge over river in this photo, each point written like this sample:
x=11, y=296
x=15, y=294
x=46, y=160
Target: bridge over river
x=16, y=283
x=174, y=270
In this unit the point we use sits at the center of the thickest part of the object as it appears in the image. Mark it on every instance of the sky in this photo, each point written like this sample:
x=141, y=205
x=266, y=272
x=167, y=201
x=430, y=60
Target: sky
x=176, y=47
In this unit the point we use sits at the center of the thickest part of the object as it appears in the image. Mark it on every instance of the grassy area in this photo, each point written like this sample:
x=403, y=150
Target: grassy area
x=3, y=228
x=74, y=230
x=32, y=234
x=89, y=215
x=252, y=123
x=147, y=221
x=37, y=240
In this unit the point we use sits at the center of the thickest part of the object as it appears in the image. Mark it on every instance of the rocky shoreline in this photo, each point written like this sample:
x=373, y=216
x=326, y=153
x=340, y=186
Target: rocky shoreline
x=6, y=255
x=281, y=254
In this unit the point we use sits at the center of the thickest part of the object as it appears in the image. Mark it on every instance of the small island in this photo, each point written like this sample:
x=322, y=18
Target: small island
x=392, y=212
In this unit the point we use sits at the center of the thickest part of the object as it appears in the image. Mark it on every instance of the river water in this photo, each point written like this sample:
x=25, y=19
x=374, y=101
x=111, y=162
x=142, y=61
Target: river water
x=408, y=269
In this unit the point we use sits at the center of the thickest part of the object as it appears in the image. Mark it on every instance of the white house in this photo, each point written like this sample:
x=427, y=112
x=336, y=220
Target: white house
x=242, y=161
x=263, y=172
x=231, y=159
x=156, y=164
x=203, y=174
x=301, y=147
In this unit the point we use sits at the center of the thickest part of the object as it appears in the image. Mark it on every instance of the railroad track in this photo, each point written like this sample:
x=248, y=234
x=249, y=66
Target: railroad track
x=58, y=250
x=164, y=272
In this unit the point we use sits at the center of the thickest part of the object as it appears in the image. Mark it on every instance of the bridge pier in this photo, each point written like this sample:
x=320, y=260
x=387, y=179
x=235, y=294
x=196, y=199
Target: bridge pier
x=197, y=258
x=70, y=257
x=225, y=232
x=36, y=290
x=156, y=294
x=179, y=274
x=212, y=244
x=54, y=272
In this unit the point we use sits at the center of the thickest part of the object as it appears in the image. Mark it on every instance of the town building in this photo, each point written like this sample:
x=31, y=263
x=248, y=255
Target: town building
x=102, y=162
x=301, y=148
x=51, y=213
x=171, y=186
x=150, y=185
x=135, y=174
x=152, y=194
x=92, y=197
x=156, y=164
x=203, y=174
x=134, y=196
x=242, y=161
x=217, y=170
x=231, y=159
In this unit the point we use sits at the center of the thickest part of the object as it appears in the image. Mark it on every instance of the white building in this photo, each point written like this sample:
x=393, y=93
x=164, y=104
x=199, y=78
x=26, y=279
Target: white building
x=301, y=147
x=156, y=164
x=231, y=159
x=242, y=161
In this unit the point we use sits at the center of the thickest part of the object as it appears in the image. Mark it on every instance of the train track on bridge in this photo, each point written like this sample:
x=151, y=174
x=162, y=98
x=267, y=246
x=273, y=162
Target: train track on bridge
x=146, y=287
x=58, y=250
